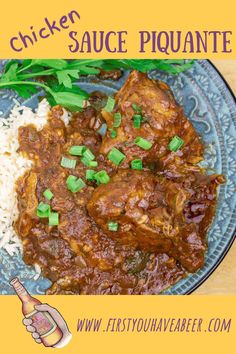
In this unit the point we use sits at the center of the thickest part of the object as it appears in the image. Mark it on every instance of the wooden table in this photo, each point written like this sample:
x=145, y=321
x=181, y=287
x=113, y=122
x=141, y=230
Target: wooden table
x=223, y=280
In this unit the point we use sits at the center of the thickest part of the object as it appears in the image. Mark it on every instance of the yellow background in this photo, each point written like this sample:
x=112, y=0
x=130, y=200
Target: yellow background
x=15, y=338
x=108, y=15
x=131, y=16
x=222, y=281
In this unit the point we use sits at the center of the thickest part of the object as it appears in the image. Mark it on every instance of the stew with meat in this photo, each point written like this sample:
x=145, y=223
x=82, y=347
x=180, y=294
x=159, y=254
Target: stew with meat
x=125, y=212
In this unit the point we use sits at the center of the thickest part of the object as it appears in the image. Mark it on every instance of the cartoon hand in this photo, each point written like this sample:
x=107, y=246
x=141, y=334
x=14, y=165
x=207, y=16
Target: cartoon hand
x=66, y=337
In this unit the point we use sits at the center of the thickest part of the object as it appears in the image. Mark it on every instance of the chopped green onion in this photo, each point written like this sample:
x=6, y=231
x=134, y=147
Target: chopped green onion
x=136, y=108
x=90, y=175
x=112, y=226
x=40, y=214
x=43, y=210
x=43, y=207
x=71, y=179
x=74, y=184
x=77, y=150
x=102, y=177
x=53, y=219
x=87, y=162
x=116, y=156
x=175, y=144
x=137, y=164
x=113, y=134
x=109, y=105
x=68, y=163
x=48, y=194
x=71, y=183
x=79, y=184
x=137, y=120
x=93, y=163
x=143, y=143
x=88, y=154
x=117, y=120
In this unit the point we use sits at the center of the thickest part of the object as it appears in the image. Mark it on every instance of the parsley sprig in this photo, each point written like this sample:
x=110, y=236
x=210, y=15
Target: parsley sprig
x=57, y=77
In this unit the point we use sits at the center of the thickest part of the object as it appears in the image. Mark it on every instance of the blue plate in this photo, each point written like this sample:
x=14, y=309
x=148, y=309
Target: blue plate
x=210, y=105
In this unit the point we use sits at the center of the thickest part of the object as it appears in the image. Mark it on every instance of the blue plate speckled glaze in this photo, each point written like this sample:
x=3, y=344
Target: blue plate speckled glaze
x=210, y=105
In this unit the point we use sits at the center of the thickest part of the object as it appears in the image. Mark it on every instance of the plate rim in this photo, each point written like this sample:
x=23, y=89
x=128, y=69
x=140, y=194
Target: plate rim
x=232, y=233
x=232, y=239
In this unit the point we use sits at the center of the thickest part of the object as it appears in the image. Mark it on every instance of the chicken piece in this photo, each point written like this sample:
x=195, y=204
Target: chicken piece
x=163, y=119
x=156, y=214
x=126, y=200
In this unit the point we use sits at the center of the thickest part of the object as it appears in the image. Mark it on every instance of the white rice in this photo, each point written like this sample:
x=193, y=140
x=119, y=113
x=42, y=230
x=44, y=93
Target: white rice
x=13, y=165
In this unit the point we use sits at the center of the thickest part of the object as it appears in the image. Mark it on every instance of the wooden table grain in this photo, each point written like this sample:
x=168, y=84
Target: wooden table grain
x=223, y=280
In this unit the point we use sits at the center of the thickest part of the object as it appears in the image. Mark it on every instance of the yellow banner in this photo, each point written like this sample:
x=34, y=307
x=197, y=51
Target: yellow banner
x=125, y=29
x=130, y=324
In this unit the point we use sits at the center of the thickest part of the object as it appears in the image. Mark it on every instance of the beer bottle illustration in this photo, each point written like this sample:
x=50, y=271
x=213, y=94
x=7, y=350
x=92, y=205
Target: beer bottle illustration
x=47, y=328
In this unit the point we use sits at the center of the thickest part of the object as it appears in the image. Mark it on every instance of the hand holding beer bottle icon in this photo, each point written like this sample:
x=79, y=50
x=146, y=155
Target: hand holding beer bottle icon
x=65, y=335
x=44, y=322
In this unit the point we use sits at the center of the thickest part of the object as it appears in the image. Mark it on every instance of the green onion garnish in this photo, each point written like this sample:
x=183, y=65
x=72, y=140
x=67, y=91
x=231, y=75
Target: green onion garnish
x=77, y=150
x=175, y=143
x=136, y=108
x=75, y=184
x=71, y=179
x=78, y=184
x=93, y=163
x=143, y=143
x=48, y=194
x=87, y=159
x=110, y=104
x=116, y=156
x=102, y=177
x=113, y=133
x=117, y=120
x=88, y=154
x=53, y=219
x=137, y=164
x=43, y=210
x=112, y=226
x=87, y=162
x=43, y=207
x=68, y=163
x=137, y=120
x=90, y=175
